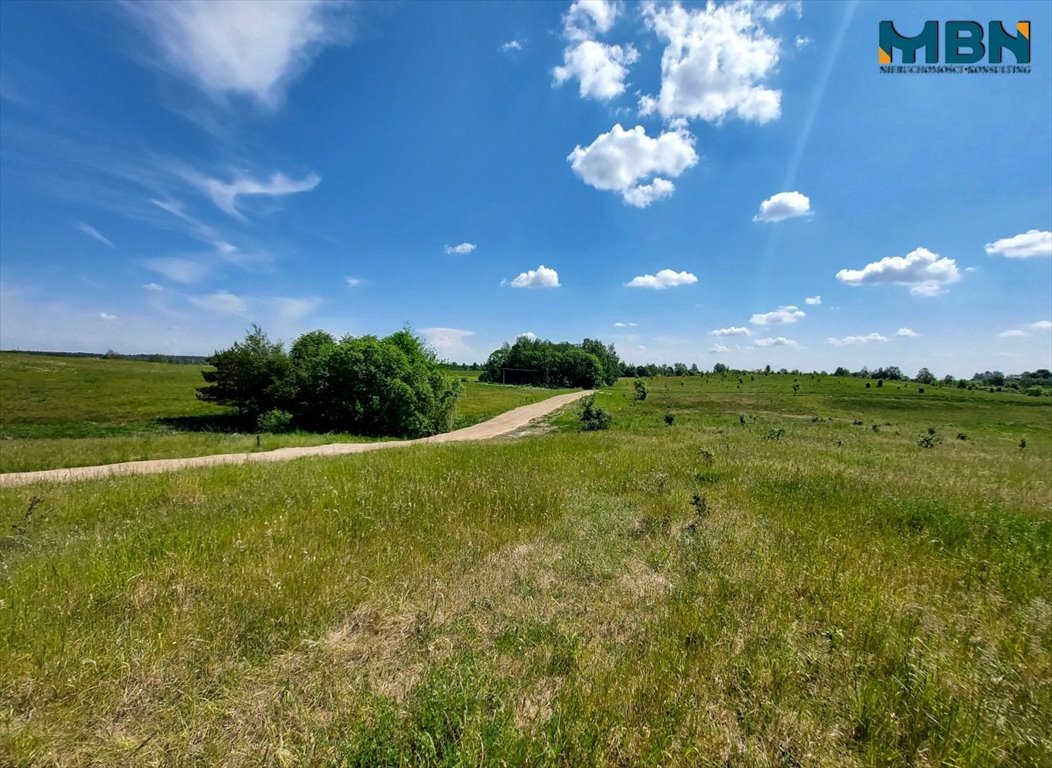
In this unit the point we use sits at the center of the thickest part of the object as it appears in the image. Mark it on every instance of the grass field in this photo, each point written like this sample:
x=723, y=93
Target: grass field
x=770, y=580
x=71, y=412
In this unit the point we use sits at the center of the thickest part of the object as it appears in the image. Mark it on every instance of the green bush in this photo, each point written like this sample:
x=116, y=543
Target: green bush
x=274, y=421
x=542, y=363
x=593, y=417
x=642, y=390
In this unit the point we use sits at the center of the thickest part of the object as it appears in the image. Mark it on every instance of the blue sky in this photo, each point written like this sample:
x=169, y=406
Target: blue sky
x=733, y=183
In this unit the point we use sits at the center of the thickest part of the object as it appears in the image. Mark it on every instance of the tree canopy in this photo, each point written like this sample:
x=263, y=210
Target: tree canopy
x=542, y=363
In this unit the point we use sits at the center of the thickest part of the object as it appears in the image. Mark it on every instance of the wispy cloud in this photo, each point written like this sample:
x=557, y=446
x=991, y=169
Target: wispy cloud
x=778, y=341
x=449, y=343
x=511, y=46
x=226, y=194
x=221, y=302
x=353, y=282
x=848, y=341
x=93, y=233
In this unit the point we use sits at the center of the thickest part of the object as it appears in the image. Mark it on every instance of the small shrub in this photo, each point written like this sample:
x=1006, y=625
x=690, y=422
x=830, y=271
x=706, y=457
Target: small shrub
x=876, y=427
x=931, y=430
x=701, y=506
x=1022, y=443
x=774, y=434
x=741, y=420
x=856, y=423
x=642, y=390
x=880, y=383
x=920, y=390
x=928, y=441
x=669, y=419
x=962, y=436
x=593, y=417
x=274, y=421
x=867, y=385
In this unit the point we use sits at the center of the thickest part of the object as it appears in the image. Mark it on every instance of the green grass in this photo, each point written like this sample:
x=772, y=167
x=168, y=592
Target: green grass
x=68, y=412
x=705, y=593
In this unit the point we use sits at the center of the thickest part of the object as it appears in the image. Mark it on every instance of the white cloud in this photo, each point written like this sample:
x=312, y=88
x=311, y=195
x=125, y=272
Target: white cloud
x=353, y=282
x=600, y=68
x=665, y=278
x=813, y=301
x=1031, y=243
x=802, y=42
x=588, y=18
x=290, y=310
x=461, y=249
x=153, y=287
x=734, y=330
x=909, y=333
x=926, y=273
x=782, y=206
x=1041, y=325
x=1012, y=334
x=719, y=349
x=779, y=341
x=848, y=341
x=620, y=160
x=91, y=232
x=624, y=325
x=105, y=316
x=641, y=348
x=222, y=303
x=715, y=63
x=780, y=316
x=225, y=194
x=449, y=343
x=542, y=277
x=511, y=46
x=179, y=270
x=528, y=335
x=249, y=48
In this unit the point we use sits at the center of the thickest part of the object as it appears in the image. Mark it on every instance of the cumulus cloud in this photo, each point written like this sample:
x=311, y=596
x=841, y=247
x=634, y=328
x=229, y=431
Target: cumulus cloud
x=1018, y=333
x=106, y=316
x=620, y=161
x=665, y=278
x=924, y=272
x=225, y=194
x=734, y=330
x=802, y=41
x=600, y=68
x=528, y=335
x=909, y=333
x=449, y=343
x=542, y=277
x=813, y=301
x=91, y=232
x=511, y=46
x=462, y=248
x=716, y=62
x=253, y=48
x=1031, y=243
x=222, y=303
x=848, y=341
x=587, y=18
x=718, y=349
x=782, y=206
x=780, y=316
x=779, y=341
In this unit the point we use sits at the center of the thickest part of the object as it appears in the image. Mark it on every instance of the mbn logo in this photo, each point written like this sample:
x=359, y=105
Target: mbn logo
x=963, y=40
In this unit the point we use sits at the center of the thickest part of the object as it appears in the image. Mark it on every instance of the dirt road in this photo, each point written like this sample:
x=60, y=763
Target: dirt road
x=495, y=427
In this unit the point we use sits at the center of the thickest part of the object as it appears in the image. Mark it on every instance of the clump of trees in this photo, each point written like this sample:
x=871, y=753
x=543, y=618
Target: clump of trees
x=364, y=385
x=541, y=363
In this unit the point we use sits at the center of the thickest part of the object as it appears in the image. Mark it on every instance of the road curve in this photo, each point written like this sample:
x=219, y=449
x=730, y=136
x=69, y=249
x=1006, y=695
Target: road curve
x=495, y=427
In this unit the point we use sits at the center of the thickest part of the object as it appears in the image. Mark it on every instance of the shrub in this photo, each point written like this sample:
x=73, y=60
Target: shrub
x=669, y=418
x=593, y=417
x=928, y=441
x=774, y=434
x=642, y=390
x=962, y=436
x=274, y=421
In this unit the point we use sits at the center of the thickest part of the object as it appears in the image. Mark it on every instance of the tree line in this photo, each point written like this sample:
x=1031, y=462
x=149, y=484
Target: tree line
x=541, y=363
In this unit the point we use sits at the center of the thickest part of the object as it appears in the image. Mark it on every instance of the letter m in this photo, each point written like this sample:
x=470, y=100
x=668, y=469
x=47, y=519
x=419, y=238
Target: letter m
x=928, y=39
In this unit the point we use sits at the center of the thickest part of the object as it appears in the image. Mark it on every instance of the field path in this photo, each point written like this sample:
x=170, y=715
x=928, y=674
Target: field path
x=503, y=424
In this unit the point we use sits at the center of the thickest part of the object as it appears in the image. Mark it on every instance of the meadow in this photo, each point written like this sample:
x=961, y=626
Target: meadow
x=733, y=573
x=79, y=411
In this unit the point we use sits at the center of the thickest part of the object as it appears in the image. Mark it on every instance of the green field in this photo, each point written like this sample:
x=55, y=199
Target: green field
x=770, y=580
x=76, y=411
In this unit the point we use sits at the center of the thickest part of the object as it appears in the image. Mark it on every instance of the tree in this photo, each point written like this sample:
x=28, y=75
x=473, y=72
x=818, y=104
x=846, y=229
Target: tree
x=719, y=368
x=252, y=376
x=924, y=376
x=841, y=371
x=642, y=390
x=547, y=364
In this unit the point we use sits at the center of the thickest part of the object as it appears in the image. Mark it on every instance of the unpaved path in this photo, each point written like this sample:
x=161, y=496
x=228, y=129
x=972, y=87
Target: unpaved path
x=495, y=427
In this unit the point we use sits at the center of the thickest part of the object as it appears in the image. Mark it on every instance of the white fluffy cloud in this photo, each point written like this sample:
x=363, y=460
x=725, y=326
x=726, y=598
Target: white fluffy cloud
x=587, y=18
x=600, y=68
x=91, y=232
x=252, y=48
x=665, y=278
x=511, y=46
x=620, y=161
x=779, y=341
x=449, y=343
x=528, y=335
x=848, y=341
x=926, y=273
x=718, y=349
x=734, y=330
x=462, y=248
x=542, y=277
x=813, y=301
x=782, y=206
x=1027, y=245
x=716, y=62
x=908, y=333
x=225, y=194
x=780, y=316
